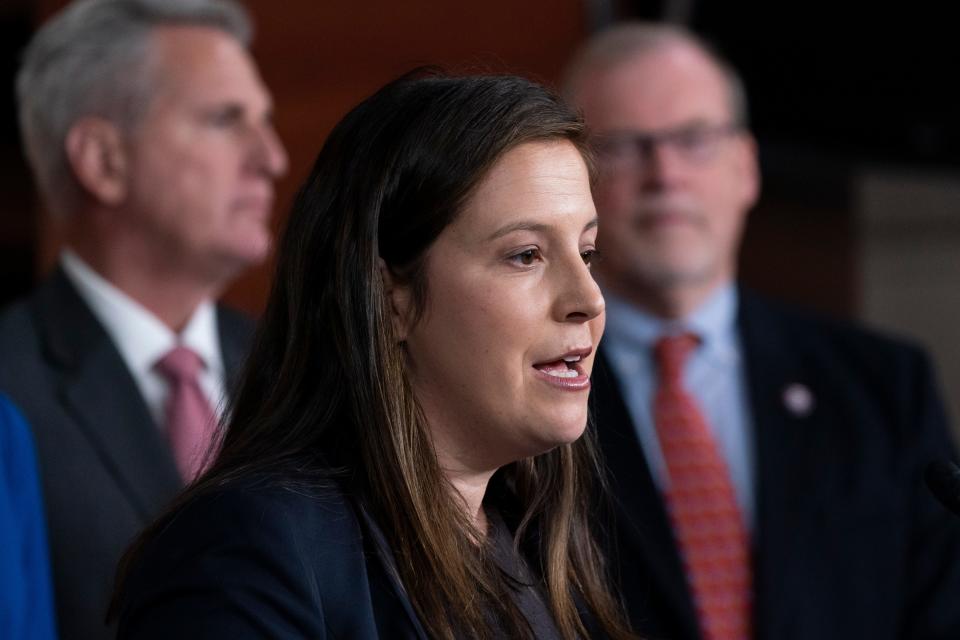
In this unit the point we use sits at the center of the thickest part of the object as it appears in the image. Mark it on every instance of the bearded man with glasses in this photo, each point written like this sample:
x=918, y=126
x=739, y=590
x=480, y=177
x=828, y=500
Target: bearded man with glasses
x=767, y=463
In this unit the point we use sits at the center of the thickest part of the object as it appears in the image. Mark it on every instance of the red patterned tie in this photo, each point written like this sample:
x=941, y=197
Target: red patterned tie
x=190, y=420
x=707, y=523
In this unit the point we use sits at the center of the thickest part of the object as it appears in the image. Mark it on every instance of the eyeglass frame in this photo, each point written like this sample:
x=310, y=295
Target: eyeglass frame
x=696, y=143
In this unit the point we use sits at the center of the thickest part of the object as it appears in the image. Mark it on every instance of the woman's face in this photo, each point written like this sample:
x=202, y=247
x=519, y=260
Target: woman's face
x=501, y=357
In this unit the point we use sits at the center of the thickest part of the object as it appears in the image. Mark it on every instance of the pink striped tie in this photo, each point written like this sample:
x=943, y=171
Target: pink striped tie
x=190, y=422
x=701, y=501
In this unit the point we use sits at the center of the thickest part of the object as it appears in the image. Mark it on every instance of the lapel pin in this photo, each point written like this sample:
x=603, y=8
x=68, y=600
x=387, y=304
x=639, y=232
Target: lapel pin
x=798, y=400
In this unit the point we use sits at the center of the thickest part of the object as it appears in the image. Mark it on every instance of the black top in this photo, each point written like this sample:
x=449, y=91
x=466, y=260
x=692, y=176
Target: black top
x=526, y=590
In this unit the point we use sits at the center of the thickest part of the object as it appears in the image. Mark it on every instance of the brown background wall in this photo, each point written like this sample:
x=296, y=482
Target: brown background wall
x=322, y=57
x=805, y=241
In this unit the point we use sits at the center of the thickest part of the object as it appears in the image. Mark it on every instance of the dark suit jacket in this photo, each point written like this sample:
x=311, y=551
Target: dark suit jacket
x=255, y=559
x=848, y=543
x=106, y=469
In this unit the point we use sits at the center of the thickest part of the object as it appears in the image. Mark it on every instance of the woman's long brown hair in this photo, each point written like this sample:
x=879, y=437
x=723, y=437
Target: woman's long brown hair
x=325, y=393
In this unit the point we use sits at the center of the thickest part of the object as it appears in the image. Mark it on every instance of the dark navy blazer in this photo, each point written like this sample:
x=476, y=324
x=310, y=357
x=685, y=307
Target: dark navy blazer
x=848, y=541
x=256, y=559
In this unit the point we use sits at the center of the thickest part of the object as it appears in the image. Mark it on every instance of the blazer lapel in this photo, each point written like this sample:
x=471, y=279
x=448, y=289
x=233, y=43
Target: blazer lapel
x=382, y=550
x=788, y=476
x=647, y=558
x=98, y=391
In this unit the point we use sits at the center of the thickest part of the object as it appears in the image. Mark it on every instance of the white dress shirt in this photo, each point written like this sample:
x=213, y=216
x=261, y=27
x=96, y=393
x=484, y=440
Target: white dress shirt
x=142, y=339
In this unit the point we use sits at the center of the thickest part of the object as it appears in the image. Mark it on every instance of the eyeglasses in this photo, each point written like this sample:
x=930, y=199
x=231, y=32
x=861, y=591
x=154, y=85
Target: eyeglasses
x=630, y=150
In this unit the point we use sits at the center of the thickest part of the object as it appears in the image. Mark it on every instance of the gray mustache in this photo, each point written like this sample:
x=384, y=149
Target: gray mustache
x=650, y=211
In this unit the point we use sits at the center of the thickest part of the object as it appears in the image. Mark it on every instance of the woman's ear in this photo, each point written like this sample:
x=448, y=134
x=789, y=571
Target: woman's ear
x=401, y=301
x=95, y=152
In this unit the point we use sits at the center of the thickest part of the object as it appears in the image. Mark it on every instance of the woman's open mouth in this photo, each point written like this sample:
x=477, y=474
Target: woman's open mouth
x=566, y=371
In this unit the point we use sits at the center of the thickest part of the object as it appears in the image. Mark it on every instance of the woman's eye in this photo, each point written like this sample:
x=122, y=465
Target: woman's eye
x=589, y=256
x=528, y=257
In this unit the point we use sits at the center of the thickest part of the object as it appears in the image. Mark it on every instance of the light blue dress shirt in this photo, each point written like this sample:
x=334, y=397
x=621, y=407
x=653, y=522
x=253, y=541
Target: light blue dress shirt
x=714, y=375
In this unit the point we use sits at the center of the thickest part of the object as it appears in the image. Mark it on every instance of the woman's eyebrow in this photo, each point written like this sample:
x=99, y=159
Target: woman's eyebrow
x=518, y=226
x=524, y=225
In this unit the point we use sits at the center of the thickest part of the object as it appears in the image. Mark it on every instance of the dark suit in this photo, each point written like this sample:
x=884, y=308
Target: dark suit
x=847, y=542
x=257, y=560
x=106, y=469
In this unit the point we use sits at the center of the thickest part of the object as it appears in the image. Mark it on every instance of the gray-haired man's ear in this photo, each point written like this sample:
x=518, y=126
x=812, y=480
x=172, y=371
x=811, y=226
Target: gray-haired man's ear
x=94, y=148
x=400, y=298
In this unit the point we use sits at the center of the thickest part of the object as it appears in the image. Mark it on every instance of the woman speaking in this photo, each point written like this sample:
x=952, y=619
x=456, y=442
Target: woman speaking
x=406, y=455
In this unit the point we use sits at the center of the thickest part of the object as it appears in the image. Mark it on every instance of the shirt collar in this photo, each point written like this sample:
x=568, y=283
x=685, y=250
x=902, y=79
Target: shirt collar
x=138, y=334
x=714, y=322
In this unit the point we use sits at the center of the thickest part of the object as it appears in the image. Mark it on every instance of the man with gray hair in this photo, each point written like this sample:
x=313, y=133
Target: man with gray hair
x=149, y=131
x=767, y=464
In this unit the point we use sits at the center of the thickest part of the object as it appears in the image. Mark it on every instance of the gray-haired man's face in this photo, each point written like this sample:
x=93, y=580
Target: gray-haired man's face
x=676, y=176
x=203, y=159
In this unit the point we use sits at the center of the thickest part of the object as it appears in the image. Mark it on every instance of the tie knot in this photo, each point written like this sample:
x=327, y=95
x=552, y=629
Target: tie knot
x=180, y=364
x=671, y=354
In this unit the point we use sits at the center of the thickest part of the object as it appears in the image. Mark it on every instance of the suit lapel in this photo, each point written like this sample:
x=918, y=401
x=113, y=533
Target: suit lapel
x=649, y=561
x=236, y=334
x=381, y=549
x=100, y=394
x=789, y=477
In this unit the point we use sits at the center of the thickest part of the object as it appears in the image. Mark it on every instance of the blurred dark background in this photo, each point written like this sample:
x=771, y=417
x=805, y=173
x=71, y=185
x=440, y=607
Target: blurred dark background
x=319, y=59
x=18, y=220
x=852, y=103
x=833, y=87
x=853, y=79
